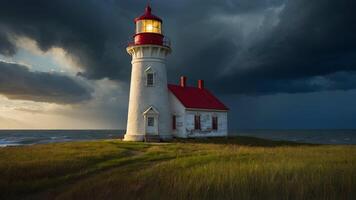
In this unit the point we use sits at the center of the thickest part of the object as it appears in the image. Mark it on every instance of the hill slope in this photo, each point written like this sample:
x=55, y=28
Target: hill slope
x=241, y=167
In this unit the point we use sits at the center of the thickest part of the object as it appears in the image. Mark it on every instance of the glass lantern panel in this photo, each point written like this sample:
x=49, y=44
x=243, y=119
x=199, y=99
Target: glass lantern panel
x=148, y=26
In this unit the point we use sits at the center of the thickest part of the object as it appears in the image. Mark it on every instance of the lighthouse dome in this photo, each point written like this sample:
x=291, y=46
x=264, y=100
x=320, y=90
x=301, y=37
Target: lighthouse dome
x=149, y=30
x=148, y=15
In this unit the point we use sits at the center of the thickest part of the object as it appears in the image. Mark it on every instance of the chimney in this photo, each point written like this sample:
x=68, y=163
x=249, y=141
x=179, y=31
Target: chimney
x=183, y=81
x=201, y=84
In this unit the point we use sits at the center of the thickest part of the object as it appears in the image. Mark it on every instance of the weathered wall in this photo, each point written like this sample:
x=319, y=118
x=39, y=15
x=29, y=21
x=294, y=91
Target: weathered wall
x=206, y=124
x=178, y=110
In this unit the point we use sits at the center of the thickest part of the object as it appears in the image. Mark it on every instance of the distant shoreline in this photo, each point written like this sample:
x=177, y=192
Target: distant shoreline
x=29, y=137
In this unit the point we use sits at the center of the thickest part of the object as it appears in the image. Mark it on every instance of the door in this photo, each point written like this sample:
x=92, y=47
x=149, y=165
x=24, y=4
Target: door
x=151, y=117
x=151, y=125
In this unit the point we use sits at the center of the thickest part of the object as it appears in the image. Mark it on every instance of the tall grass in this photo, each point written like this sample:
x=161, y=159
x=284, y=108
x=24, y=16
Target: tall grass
x=240, y=168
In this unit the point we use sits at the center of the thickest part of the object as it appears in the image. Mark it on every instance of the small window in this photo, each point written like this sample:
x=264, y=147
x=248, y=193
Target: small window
x=174, y=122
x=215, y=123
x=150, y=79
x=197, y=122
x=150, y=121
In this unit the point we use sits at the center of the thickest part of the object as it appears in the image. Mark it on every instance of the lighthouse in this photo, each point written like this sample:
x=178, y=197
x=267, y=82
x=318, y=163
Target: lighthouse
x=149, y=112
x=160, y=111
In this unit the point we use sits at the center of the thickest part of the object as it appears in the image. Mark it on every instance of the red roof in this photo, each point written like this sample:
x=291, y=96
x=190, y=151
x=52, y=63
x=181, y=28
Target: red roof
x=195, y=98
x=148, y=15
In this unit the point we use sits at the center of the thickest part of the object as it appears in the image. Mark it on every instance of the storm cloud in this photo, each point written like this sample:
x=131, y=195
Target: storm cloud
x=238, y=47
x=6, y=47
x=17, y=82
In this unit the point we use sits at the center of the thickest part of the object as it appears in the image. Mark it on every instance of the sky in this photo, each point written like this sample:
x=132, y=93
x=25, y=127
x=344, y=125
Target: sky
x=277, y=64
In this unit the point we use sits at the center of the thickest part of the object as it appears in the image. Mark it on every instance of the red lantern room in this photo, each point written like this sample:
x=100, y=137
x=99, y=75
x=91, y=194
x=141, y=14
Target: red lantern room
x=149, y=29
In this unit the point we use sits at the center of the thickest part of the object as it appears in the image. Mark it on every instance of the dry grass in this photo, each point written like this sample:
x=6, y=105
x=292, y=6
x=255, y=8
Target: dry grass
x=239, y=168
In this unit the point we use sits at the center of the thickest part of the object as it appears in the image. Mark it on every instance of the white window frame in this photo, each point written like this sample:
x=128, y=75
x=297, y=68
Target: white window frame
x=151, y=72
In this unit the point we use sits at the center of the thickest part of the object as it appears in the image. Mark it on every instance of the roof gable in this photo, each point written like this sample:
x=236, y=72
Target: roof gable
x=195, y=98
x=151, y=110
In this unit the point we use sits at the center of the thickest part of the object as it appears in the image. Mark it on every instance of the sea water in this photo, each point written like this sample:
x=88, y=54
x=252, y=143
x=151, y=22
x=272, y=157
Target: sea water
x=29, y=137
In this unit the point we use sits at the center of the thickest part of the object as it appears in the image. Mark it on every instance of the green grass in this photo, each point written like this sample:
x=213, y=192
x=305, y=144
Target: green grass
x=235, y=168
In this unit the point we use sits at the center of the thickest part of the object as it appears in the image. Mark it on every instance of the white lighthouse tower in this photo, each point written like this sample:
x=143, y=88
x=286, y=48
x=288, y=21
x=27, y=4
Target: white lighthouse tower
x=149, y=113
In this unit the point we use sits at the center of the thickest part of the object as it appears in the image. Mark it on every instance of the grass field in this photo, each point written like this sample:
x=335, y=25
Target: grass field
x=236, y=168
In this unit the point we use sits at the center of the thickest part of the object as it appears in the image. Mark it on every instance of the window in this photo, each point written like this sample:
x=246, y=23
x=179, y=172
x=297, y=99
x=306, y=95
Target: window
x=150, y=121
x=150, y=26
x=197, y=122
x=174, y=122
x=215, y=123
x=149, y=79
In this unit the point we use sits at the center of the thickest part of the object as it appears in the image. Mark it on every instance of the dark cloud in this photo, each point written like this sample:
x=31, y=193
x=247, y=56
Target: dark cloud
x=6, y=47
x=308, y=40
x=17, y=82
x=312, y=39
x=241, y=46
x=90, y=31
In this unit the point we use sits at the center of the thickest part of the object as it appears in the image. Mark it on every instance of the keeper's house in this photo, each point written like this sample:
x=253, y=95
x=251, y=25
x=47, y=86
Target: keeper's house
x=196, y=112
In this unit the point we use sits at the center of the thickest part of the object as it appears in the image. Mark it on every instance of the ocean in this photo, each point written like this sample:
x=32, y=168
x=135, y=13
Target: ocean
x=30, y=137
